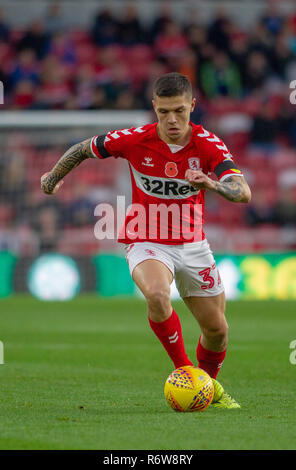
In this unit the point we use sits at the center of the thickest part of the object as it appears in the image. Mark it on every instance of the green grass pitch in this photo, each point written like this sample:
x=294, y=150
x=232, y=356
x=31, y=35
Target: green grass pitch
x=89, y=374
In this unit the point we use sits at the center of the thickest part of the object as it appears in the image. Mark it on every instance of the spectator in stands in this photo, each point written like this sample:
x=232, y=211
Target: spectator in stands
x=256, y=73
x=272, y=19
x=25, y=68
x=80, y=211
x=36, y=38
x=84, y=85
x=193, y=16
x=130, y=31
x=54, y=20
x=4, y=28
x=98, y=99
x=164, y=17
x=239, y=52
x=126, y=100
x=105, y=28
x=281, y=56
x=285, y=207
x=104, y=61
x=220, y=77
x=187, y=64
x=291, y=21
x=171, y=42
x=55, y=88
x=260, y=40
x=265, y=127
x=197, y=37
x=48, y=226
x=120, y=82
x=13, y=185
x=24, y=95
x=290, y=33
x=45, y=218
x=219, y=30
x=63, y=49
x=259, y=211
x=156, y=69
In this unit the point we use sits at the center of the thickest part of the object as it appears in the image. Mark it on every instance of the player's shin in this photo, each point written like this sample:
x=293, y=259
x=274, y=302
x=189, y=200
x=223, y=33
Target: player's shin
x=169, y=332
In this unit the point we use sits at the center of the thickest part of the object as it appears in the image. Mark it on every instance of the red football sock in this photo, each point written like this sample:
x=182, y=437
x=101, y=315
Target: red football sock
x=210, y=361
x=169, y=333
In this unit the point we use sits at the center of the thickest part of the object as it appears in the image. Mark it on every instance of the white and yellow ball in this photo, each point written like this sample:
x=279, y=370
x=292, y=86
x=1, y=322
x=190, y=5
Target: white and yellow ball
x=189, y=388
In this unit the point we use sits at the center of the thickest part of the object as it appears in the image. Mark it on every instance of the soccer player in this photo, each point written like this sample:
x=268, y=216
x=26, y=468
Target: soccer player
x=170, y=162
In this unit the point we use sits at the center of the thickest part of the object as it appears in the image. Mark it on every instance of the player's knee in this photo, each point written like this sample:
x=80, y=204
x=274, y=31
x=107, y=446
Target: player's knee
x=159, y=304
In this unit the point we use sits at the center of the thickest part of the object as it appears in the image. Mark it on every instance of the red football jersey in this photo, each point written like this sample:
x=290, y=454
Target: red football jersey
x=165, y=207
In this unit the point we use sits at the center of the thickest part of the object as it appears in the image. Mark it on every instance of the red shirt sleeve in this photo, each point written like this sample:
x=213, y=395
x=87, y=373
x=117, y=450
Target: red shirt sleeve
x=115, y=143
x=218, y=157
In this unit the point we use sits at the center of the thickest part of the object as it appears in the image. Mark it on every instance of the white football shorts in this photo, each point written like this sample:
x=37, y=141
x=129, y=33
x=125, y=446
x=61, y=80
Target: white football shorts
x=192, y=265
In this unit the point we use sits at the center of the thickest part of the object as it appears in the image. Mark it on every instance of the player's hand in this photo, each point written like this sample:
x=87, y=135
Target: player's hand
x=198, y=179
x=47, y=185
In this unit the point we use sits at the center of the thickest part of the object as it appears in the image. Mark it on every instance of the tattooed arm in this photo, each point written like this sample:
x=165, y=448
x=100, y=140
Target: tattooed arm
x=51, y=182
x=234, y=188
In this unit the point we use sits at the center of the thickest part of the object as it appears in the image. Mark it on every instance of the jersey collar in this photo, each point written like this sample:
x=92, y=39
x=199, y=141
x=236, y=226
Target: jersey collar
x=185, y=146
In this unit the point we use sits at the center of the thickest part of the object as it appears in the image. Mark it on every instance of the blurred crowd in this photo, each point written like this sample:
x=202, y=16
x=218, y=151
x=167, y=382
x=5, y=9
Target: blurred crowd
x=115, y=61
x=240, y=77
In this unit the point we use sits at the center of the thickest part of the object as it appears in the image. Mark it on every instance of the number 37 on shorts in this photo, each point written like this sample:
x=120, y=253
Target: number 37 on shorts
x=209, y=276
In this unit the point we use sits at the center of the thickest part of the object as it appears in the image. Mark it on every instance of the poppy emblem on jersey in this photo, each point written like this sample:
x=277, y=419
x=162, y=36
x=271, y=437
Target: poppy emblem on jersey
x=194, y=163
x=171, y=169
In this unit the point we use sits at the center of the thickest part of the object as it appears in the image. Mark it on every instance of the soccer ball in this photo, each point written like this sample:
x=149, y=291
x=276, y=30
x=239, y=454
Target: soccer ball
x=189, y=388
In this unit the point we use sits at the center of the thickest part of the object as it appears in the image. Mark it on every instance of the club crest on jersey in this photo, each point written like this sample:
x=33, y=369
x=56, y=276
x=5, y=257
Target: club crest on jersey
x=171, y=169
x=194, y=163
